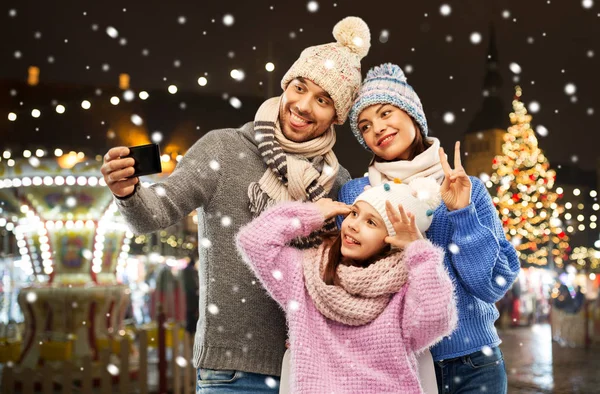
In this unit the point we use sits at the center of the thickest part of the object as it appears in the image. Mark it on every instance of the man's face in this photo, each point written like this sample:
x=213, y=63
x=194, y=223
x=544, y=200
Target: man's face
x=306, y=111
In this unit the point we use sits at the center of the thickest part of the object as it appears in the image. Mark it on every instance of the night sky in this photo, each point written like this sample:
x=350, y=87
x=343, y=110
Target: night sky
x=552, y=44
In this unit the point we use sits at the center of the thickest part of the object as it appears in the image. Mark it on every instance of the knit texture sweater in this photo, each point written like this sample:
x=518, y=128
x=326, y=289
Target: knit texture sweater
x=482, y=263
x=240, y=326
x=331, y=357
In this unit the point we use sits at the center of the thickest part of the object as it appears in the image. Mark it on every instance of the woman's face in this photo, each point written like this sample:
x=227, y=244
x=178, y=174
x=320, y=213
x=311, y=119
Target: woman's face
x=363, y=232
x=388, y=131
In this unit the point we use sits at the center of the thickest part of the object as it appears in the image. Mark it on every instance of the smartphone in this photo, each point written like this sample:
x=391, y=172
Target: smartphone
x=147, y=159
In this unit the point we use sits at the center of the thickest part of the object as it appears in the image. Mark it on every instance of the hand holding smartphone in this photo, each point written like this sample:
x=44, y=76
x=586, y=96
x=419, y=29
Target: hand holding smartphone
x=147, y=159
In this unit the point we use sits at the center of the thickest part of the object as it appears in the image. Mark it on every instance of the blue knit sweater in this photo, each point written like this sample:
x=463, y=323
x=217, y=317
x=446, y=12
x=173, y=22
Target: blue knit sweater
x=481, y=263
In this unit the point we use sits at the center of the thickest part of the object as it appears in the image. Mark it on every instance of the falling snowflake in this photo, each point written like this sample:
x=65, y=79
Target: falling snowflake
x=500, y=281
x=277, y=274
x=506, y=14
x=534, y=107
x=570, y=89
x=475, y=38
x=238, y=75
x=312, y=6
x=293, y=305
x=384, y=36
x=235, y=102
x=112, y=32
x=156, y=137
x=112, y=369
x=181, y=20
x=12, y=13
x=161, y=191
x=296, y=223
x=445, y=10
x=31, y=297
x=182, y=362
x=587, y=3
x=408, y=69
x=214, y=165
x=137, y=120
x=202, y=81
x=213, y=309
x=205, y=243
x=515, y=68
x=270, y=382
x=228, y=20
x=541, y=130
x=128, y=95
x=449, y=118
x=225, y=221
x=453, y=248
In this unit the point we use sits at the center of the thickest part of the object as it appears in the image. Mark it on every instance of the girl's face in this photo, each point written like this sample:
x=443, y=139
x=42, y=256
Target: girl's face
x=363, y=232
x=388, y=131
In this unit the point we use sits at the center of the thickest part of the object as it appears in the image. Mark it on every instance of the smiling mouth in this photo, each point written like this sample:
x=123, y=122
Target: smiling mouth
x=298, y=121
x=386, y=139
x=350, y=240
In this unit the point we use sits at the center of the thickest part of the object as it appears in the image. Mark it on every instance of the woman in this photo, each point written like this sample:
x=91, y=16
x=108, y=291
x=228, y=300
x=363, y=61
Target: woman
x=388, y=119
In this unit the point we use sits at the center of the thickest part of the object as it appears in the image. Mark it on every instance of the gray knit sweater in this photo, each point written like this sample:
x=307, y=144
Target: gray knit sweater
x=240, y=326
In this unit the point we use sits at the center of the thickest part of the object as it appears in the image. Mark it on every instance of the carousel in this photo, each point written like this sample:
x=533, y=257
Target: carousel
x=71, y=242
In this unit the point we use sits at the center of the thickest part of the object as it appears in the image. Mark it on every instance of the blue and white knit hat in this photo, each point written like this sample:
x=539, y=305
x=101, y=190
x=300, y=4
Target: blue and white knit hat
x=386, y=84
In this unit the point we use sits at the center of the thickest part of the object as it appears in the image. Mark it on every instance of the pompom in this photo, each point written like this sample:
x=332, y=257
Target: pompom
x=428, y=191
x=353, y=33
x=387, y=70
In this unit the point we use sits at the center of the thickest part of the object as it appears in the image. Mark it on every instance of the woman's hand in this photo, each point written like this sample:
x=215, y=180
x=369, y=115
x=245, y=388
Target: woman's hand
x=330, y=208
x=404, y=225
x=456, y=188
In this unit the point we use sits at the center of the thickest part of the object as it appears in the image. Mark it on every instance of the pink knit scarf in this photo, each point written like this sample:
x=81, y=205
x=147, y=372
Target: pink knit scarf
x=363, y=292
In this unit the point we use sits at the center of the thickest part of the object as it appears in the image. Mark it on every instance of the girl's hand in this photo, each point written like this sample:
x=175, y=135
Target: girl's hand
x=330, y=208
x=404, y=225
x=456, y=188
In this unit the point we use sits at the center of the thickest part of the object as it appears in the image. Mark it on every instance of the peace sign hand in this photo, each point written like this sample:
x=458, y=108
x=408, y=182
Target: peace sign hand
x=456, y=188
x=405, y=226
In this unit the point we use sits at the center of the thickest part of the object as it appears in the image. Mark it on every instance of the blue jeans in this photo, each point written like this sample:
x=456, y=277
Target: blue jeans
x=210, y=381
x=473, y=373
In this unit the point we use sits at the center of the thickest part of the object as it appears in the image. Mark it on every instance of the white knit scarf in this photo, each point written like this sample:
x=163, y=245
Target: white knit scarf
x=297, y=171
x=427, y=164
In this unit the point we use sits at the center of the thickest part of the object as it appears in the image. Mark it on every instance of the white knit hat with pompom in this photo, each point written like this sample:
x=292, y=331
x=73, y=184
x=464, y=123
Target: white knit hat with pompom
x=335, y=67
x=420, y=197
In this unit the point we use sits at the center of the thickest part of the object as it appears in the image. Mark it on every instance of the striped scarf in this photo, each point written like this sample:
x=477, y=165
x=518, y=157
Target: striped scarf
x=296, y=171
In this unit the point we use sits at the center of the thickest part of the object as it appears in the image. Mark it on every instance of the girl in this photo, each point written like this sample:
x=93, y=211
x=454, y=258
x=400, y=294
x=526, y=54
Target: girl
x=361, y=305
x=387, y=119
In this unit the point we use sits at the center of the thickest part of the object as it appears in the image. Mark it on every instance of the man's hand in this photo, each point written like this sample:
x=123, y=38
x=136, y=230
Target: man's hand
x=330, y=208
x=116, y=170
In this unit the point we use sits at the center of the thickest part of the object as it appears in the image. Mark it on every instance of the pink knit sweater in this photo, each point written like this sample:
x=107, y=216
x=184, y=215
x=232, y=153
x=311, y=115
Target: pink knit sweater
x=330, y=357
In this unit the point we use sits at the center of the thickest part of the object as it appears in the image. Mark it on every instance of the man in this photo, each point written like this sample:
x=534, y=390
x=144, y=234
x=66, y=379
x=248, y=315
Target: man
x=231, y=176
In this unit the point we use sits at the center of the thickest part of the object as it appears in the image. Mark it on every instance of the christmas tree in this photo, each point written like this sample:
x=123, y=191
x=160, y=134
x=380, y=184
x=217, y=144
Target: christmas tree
x=528, y=206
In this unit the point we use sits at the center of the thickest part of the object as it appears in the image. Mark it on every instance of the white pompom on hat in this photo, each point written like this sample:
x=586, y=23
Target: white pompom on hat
x=420, y=197
x=335, y=67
